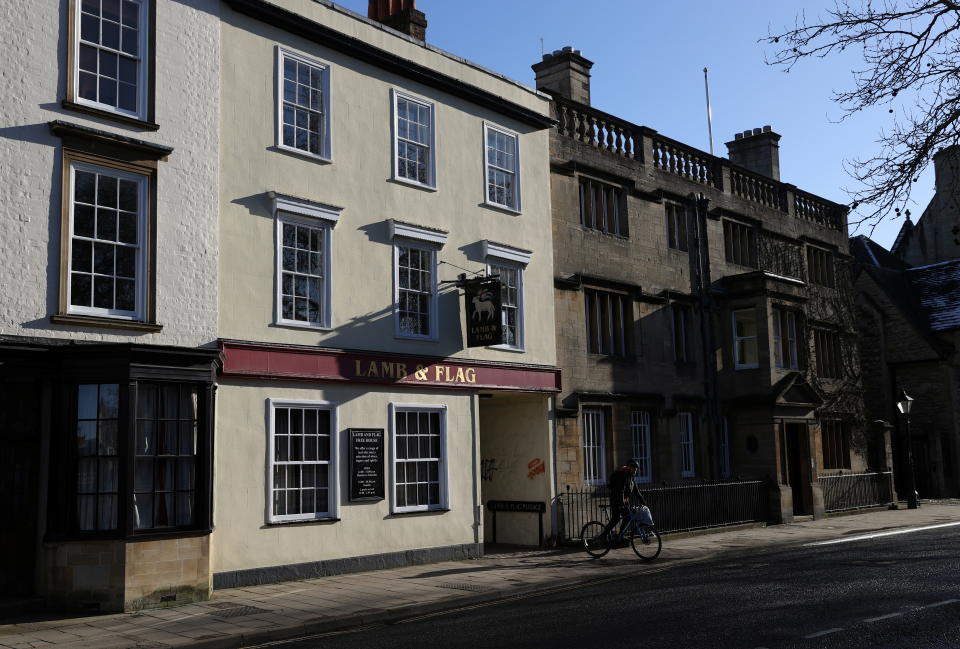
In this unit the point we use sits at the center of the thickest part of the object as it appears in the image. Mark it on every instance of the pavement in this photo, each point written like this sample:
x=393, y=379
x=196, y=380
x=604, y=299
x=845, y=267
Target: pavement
x=255, y=615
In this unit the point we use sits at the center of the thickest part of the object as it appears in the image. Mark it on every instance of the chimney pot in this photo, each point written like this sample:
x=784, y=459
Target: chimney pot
x=402, y=15
x=767, y=129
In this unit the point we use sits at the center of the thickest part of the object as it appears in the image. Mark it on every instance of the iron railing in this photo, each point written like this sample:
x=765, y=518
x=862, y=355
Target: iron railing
x=676, y=508
x=847, y=491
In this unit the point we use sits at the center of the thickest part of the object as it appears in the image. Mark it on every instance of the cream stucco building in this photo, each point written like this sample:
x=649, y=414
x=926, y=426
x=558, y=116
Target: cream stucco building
x=364, y=176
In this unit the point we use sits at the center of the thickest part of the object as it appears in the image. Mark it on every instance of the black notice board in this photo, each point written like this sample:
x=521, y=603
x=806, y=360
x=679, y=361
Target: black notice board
x=366, y=463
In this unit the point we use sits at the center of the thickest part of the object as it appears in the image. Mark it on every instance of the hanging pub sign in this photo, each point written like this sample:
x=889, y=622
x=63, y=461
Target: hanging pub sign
x=482, y=300
x=366, y=463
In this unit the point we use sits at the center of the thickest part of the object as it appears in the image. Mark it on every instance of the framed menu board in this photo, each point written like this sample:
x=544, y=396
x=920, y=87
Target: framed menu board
x=366, y=463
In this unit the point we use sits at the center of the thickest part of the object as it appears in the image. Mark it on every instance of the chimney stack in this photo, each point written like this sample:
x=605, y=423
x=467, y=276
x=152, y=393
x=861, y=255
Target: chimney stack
x=565, y=72
x=946, y=169
x=402, y=15
x=758, y=150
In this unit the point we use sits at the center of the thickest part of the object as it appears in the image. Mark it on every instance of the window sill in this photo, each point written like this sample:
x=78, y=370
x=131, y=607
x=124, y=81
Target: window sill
x=612, y=235
x=504, y=348
x=745, y=367
x=106, y=114
x=501, y=208
x=289, y=150
x=303, y=521
x=414, y=184
x=105, y=323
x=439, y=510
x=420, y=339
x=301, y=326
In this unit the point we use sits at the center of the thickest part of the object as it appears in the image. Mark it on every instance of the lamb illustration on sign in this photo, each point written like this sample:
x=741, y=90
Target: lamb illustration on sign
x=482, y=303
x=483, y=306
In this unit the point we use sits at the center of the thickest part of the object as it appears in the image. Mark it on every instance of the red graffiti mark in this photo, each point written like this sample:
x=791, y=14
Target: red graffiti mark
x=536, y=467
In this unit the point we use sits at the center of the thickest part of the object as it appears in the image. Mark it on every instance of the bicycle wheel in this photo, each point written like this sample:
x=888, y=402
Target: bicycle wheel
x=646, y=543
x=594, y=541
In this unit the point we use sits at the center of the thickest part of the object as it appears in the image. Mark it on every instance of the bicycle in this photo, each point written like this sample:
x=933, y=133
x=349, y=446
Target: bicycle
x=639, y=529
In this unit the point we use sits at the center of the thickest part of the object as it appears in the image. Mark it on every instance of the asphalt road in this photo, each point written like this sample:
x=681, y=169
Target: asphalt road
x=888, y=592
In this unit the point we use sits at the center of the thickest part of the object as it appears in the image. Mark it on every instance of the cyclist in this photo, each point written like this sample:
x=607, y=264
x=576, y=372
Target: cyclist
x=622, y=486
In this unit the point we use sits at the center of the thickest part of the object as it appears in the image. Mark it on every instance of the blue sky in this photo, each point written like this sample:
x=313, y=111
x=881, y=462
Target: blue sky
x=648, y=68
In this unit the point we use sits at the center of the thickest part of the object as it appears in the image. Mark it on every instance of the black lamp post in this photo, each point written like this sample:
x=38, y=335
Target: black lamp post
x=904, y=404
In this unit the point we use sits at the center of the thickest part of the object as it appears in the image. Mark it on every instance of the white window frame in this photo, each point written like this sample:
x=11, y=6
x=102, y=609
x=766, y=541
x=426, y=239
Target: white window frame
x=333, y=491
x=143, y=65
x=313, y=215
x=395, y=96
x=595, y=453
x=504, y=256
x=688, y=467
x=487, y=128
x=725, y=460
x=442, y=471
x=326, y=144
x=642, y=449
x=408, y=235
x=737, y=362
x=143, y=241
x=783, y=317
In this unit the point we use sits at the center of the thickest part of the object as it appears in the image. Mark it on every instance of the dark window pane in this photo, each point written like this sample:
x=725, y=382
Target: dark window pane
x=89, y=28
x=127, y=227
x=107, y=225
x=85, y=185
x=126, y=261
x=106, y=191
x=82, y=256
x=126, y=295
x=130, y=13
x=86, y=438
x=80, y=290
x=111, y=10
x=130, y=43
x=146, y=440
x=103, y=292
x=88, y=86
x=109, y=402
x=83, y=220
x=110, y=33
x=87, y=475
x=127, y=97
x=107, y=437
x=108, y=91
x=103, y=258
x=88, y=58
x=87, y=396
x=108, y=64
x=143, y=510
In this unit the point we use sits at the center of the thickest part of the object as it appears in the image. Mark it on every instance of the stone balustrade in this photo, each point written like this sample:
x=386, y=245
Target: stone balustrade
x=618, y=137
x=757, y=188
x=685, y=161
x=599, y=129
x=813, y=208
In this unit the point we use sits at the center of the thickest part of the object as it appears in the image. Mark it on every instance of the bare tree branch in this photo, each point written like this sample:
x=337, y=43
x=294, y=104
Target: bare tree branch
x=911, y=54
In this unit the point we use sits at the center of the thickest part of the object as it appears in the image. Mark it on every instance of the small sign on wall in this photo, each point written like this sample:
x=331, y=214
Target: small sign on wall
x=366, y=464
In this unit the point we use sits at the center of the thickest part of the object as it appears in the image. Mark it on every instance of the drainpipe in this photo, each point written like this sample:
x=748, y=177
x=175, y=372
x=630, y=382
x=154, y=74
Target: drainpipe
x=701, y=286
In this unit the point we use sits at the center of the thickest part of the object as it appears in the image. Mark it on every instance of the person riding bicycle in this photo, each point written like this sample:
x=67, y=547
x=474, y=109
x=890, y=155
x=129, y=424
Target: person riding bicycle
x=622, y=487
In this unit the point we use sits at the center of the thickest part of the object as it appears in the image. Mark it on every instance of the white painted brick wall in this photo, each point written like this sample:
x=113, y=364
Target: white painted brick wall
x=33, y=48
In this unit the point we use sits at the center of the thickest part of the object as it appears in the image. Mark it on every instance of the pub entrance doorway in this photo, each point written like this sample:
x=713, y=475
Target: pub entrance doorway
x=798, y=467
x=19, y=479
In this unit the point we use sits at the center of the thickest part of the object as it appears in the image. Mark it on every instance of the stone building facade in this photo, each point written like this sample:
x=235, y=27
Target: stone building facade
x=364, y=172
x=108, y=314
x=703, y=315
x=909, y=317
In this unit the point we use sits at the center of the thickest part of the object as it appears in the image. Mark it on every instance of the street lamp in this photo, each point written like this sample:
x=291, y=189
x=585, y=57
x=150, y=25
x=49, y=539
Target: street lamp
x=904, y=404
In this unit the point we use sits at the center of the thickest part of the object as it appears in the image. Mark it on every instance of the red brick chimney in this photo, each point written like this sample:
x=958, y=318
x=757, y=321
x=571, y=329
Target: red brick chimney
x=402, y=15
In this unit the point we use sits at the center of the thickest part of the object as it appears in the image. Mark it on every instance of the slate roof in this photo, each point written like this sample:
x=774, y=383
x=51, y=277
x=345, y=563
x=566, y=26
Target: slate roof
x=938, y=289
x=870, y=253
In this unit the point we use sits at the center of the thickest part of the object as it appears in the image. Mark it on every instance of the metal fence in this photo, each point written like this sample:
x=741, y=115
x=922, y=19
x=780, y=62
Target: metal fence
x=676, y=508
x=856, y=490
